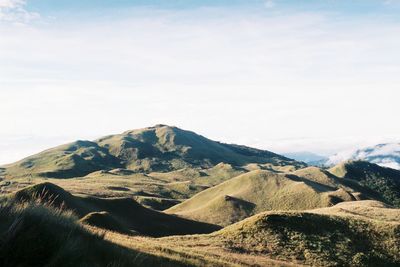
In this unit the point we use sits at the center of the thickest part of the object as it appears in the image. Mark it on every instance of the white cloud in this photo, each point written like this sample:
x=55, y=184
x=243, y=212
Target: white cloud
x=14, y=11
x=245, y=78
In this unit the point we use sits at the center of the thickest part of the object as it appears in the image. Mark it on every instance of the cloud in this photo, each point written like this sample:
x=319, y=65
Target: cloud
x=13, y=11
x=224, y=74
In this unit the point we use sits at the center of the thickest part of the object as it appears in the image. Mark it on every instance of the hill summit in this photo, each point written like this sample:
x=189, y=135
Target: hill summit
x=157, y=148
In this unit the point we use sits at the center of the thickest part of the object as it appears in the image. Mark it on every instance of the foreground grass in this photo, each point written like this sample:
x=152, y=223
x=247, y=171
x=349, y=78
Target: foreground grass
x=34, y=234
x=362, y=233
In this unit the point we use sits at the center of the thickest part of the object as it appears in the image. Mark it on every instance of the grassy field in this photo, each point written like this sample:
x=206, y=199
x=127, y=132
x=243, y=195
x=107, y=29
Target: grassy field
x=262, y=190
x=361, y=233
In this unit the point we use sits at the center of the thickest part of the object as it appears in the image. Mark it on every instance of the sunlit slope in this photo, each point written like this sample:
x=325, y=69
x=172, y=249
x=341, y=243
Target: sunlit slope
x=168, y=148
x=157, y=190
x=322, y=238
x=259, y=191
x=75, y=159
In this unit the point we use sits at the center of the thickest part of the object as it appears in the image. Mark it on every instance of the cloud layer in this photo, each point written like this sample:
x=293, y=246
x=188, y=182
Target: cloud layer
x=283, y=81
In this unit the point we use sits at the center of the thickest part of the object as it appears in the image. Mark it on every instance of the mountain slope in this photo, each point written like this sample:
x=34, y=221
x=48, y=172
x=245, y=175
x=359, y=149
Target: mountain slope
x=158, y=148
x=259, y=191
x=75, y=159
x=119, y=214
x=169, y=148
x=384, y=181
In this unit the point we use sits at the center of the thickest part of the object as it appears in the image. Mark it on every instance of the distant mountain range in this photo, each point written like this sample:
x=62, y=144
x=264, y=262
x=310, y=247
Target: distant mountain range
x=385, y=155
x=307, y=157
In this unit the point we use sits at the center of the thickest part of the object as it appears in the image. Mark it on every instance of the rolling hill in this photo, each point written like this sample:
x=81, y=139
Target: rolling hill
x=159, y=148
x=348, y=234
x=118, y=214
x=356, y=233
x=261, y=190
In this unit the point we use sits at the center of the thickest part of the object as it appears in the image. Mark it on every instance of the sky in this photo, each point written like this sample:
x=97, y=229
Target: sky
x=287, y=76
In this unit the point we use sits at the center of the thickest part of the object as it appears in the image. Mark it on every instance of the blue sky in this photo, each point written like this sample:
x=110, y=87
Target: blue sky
x=320, y=76
x=343, y=7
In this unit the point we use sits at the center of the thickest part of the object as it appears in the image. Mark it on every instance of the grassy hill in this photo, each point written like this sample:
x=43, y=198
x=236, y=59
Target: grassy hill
x=119, y=214
x=357, y=233
x=157, y=190
x=261, y=190
x=159, y=148
x=384, y=181
x=312, y=238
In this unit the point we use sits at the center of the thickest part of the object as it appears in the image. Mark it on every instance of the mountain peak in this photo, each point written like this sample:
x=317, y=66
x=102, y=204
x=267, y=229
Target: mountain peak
x=157, y=148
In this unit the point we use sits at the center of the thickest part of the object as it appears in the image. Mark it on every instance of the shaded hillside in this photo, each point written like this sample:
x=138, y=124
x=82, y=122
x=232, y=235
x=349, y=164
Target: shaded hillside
x=36, y=235
x=384, y=181
x=120, y=214
x=261, y=190
x=159, y=148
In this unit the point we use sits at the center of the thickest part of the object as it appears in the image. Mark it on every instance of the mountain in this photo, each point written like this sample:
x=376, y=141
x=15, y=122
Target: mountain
x=158, y=148
x=384, y=181
x=307, y=157
x=386, y=155
x=261, y=190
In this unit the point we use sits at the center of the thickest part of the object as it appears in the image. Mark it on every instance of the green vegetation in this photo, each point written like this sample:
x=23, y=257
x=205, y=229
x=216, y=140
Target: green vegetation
x=384, y=181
